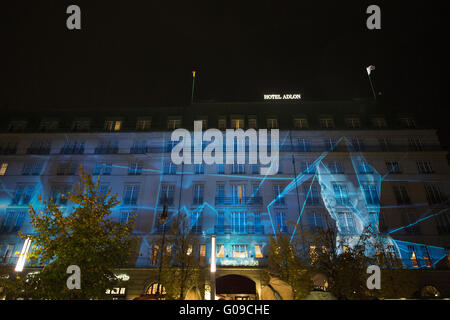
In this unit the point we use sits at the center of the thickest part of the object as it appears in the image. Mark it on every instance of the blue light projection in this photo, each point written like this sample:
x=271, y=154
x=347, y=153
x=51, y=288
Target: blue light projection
x=357, y=193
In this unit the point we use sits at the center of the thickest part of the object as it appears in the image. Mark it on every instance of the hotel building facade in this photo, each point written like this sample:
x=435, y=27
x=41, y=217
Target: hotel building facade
x=385, y=163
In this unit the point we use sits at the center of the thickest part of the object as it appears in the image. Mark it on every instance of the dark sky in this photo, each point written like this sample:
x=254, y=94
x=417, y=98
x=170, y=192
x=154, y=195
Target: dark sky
x=141, y=53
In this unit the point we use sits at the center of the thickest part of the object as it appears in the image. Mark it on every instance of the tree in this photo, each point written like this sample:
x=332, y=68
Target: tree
x=86, y=237
x=344, y=260
x=289, y=257
x=181, y=267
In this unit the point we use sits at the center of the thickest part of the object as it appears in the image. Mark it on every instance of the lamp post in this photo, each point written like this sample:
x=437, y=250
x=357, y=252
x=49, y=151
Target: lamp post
x=163, y=217
x=213, y=268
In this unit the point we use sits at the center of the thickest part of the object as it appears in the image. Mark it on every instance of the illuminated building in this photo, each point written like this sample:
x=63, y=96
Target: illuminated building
x=351, y=163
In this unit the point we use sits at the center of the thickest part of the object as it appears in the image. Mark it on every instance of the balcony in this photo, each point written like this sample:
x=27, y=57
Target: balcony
x=231, y=201
x=230, y=229
x=38, y=150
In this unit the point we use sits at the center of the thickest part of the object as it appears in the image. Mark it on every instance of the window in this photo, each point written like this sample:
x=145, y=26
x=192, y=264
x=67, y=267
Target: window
x=280, y=218
x=353, y=123
x=198, y=193
x=238, y=193
x=59, y=194
x=335, y=167
x=346, y=222
x=240, y=251
x=102, y=168
x=8, y=253
x=199, y=168
x=301, y=123
x=125, y=217
x=393, y=167
x=17, y=126
x=169, y=168
x=401, y=195
x=252, y=123
x=47, y=125
x=135, y=168
x=385, y=144
x=415, y=144
x=237, y=168
x=379, y=122
x=307, y=167
x=222, y=124
x=407, y=122
x=173, y=123
x=131, y=194
x=315, y=221
x=312, y=195
x=426, y=256
x=9, y=147
x=80, y=125
x=277, y=191
x=373, y=221
x=113, y=125
x=139, y=147
x=72, y=147
x=255, y=168
x=330, y=144
x=341, y=194
x=326, y=123
x=220, y=194
x=237, y=123
x=304, y=145
x=39, y=147
x=371, y=195
x=434, y=195
x=154, y=256
x=202, y=254
x=22, y=194
x=220, y=168
x=167, y=194
x=66, y=168
x=364, y=167
x=239, y=222
x=107, y=147
x=18, y=215
x=220, y=251
x=258, y=251
x=272, y=123
x=424, y=167
x=196, y=222
x=257, y=223
x=357, y=144
x=204, y=123
x=413, y=257
x=143, y=124
x=3, y=168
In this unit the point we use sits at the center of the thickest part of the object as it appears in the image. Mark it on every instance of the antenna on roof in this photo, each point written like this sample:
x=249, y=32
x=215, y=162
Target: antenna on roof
x=193, y=85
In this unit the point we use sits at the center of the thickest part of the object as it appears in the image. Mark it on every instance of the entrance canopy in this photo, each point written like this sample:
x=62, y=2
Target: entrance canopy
x=235, y=284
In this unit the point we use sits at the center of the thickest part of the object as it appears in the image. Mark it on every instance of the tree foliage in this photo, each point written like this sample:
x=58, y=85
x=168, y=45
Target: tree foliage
x=87, y=237
x=289, y=258
x=181, y=268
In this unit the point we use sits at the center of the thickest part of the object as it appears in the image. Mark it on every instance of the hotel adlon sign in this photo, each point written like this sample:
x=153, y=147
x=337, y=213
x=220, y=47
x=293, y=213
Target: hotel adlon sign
x=295, y=96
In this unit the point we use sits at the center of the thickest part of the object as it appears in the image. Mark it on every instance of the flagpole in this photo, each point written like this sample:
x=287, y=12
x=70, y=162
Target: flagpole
x=371, y=85
x=369, y=69
x=193, y=84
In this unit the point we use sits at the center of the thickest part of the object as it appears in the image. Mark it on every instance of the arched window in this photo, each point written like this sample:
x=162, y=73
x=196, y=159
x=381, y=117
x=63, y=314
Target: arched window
x=153, y=289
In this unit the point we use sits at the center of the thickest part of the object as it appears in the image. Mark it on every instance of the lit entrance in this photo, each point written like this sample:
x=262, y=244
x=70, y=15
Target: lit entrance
x=235, y=287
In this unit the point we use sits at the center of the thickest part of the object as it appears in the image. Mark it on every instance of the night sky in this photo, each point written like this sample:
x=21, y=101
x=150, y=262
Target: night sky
x=141, y=53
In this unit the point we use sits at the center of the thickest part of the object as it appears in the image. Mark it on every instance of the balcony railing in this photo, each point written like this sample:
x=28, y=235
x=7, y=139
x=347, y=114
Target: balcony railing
x=239, y=201
x=230, y=229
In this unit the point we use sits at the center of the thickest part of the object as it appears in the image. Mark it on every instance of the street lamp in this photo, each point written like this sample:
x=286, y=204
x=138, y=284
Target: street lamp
x=163, y=217
x=23, y=255
x=213, y=267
